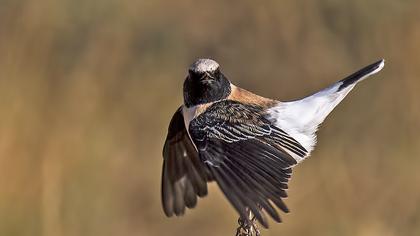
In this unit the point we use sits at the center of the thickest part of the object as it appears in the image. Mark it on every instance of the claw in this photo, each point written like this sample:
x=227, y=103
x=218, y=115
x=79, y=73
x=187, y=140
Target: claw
x=248, y=227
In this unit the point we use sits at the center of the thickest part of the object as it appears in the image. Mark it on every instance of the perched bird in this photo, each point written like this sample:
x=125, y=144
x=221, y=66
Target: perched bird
x=248, y=144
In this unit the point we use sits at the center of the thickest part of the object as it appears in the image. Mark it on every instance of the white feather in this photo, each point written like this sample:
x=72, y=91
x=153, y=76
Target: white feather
x=301, y=118
x=189, y=114
x=204, y=65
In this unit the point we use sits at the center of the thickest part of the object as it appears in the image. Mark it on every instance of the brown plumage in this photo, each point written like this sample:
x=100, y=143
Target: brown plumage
x=247, y=97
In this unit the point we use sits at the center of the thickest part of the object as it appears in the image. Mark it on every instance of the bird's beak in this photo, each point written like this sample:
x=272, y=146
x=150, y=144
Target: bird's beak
x=210, y=76
x=207, y=78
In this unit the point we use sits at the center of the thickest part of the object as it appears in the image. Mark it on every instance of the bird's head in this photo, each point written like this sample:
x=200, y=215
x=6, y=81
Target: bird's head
x=205, y=83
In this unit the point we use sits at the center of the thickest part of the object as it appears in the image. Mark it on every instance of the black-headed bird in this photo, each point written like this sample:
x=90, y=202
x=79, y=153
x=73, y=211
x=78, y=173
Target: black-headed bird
x=248, y=144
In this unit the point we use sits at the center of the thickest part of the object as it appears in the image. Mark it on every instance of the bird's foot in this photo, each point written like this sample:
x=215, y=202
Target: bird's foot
x=248, y=227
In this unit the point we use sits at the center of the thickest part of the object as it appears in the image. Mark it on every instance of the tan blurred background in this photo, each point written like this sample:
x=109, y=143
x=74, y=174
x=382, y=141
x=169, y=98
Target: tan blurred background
x=87, y=89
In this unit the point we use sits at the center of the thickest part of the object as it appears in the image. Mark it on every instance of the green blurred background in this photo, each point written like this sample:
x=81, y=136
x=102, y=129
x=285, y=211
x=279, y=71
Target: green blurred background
x=87, y=89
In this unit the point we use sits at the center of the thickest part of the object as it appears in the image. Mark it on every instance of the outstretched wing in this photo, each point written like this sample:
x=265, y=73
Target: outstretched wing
x=183, y=175
x=247, y=156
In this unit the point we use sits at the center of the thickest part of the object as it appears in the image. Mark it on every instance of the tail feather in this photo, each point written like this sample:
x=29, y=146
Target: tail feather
x=361, y=74
x=301, y=118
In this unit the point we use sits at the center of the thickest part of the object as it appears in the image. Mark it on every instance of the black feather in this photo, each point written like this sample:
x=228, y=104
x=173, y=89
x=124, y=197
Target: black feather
x=184, y=177
x=247, y=156
x=353, y=78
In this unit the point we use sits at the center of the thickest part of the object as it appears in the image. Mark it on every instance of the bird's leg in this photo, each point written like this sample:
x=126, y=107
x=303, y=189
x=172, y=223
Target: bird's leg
x=248, y=226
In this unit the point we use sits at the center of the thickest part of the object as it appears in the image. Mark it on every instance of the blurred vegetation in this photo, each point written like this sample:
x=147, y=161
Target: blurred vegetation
x=87, y=89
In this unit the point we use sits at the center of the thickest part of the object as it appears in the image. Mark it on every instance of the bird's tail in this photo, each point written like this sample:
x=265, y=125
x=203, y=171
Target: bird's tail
x=302, y=117
x=361, y=74
x=320, y=104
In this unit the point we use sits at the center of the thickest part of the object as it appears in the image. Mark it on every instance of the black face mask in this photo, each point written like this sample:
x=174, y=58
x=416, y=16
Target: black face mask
x=205, y=87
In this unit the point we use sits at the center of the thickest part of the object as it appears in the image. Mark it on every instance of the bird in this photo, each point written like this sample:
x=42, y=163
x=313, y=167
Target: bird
x=246, y=143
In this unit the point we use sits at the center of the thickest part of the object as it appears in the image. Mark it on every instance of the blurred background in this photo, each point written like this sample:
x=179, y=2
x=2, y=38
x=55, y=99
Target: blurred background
x=87, y=89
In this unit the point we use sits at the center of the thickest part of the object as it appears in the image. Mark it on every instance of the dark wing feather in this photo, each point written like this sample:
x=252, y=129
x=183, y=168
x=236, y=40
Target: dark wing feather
x=184, y=177
x=247, y=156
